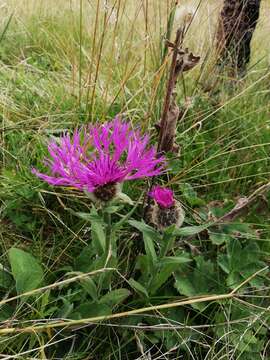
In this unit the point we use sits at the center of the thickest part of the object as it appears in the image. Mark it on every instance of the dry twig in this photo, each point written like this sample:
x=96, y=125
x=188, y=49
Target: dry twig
x=182, y=61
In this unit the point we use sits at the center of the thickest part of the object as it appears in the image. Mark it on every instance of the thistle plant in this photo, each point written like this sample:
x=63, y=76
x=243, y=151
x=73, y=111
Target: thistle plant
x=98, y=159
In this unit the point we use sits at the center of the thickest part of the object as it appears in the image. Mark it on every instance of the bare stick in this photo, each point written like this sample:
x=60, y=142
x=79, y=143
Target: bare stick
x=244, y=203
x=170, y=88
x=92, y=320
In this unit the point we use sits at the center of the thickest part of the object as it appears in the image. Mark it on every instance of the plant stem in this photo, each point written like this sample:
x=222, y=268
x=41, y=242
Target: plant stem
x=108, y=222
x=188, y=301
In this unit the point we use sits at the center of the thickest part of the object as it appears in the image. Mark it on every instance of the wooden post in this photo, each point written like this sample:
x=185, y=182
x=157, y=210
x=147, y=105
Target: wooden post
x=237, y=23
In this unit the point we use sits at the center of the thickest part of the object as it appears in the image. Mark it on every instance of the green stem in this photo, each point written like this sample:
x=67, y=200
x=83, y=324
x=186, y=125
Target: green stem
x=108, y=249
x=108, y=222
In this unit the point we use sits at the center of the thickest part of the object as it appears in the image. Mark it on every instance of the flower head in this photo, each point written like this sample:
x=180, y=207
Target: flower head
x=98, y=158
x=165, y=210
x=184, y=14
x=162, y=196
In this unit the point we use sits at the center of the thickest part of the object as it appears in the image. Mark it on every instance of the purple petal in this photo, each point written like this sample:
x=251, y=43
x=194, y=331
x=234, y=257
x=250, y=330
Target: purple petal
x=163, y=196
x=97, y=155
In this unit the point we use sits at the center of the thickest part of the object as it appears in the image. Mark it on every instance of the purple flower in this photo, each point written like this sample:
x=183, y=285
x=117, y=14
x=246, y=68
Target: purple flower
x=97, y=158
x=165, y=211
x=162, y=196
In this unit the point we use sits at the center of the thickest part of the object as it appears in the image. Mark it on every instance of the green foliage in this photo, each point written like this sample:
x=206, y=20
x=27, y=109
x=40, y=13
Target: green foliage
x=97, y=232
x=26, y=270
x=149, y=236
x=139, y=288
x=114, y=297
x=239, y=263
x=157, y=268
x=5, y=279
x=246, y=338
x=202, y=280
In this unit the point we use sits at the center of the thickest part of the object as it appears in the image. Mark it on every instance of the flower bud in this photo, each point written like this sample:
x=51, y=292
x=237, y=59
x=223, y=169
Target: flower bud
x=165, y=210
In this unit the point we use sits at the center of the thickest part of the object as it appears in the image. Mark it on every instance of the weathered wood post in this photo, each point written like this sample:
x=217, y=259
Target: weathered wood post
x=237, y=22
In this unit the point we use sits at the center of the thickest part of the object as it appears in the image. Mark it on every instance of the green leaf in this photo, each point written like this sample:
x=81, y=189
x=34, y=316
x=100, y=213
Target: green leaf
x=6, y=312
x=83, y=262
x=124, y=198
x=145, y=229
x=91, y=309
x=5, y=279
x=143, y=264
x=150, y=249
x=223, y=262
x=112, y=209
x=104, y=279
x=66, y=309
x=251, y=254
x=202, y=280
x=97, y=228
x=114, y=297
x=191, y=230
x=239, y=263
x=234, y=279
x=26, y=270
x=164, y=269
x=234, y=251
x=167, y=241
x=140, y=289
x=219, y=238
x=98, y=232
x=175, y=260
x=149, y=236
x=89, y=286
x=241, y=228
x=125, y=218
x=81, y=215
x=161, y=276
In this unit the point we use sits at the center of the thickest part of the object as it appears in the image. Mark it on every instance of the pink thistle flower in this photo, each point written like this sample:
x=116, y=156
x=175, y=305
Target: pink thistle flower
x=162, y=196
x=165, y=210
x=98, y=158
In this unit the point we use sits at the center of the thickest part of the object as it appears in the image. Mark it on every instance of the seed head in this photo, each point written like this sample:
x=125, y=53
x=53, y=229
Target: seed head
x=184, y=14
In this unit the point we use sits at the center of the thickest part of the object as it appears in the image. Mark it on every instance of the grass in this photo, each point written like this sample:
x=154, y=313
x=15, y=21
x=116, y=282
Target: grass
x=84, y=61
